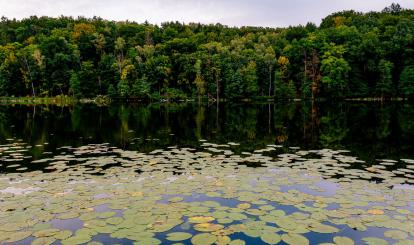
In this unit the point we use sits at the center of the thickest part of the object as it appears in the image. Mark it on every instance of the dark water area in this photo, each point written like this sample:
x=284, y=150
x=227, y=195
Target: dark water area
x=245, y=173
x=369, y=130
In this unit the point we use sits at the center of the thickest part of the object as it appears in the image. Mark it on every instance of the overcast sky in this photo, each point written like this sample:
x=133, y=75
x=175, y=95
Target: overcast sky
x=271, y=13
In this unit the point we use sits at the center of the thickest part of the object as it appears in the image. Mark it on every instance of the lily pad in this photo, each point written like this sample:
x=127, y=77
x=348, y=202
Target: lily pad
x=374, y=241
x=341, y=240
x=200, y=219
x=208, y=227
x=295, y=239
x=396, y=234
x=178, y=236
x=203, y=239
x=237, y=242
x=270, y=238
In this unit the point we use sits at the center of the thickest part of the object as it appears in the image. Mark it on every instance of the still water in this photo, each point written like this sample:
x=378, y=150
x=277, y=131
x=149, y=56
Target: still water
x=201, y=174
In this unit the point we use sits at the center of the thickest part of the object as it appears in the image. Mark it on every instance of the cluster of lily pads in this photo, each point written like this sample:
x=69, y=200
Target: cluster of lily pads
x=102, y=194
x=330, y=163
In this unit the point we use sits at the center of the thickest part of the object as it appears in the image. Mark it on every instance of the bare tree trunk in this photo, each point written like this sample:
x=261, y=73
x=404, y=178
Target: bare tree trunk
x=30, y=76
x=306, y=69
x=270, y=80
x=33, y=90
x=217, y=88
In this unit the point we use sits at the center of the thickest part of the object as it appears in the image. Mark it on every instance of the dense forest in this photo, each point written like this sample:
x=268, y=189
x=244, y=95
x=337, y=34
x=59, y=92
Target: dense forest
x=350, y=55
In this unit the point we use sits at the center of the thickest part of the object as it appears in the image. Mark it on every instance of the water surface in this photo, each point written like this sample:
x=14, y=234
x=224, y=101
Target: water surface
x=236, y=173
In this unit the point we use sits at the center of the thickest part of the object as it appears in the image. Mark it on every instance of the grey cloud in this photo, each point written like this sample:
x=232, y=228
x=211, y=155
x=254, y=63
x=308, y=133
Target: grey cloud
x=230, y=12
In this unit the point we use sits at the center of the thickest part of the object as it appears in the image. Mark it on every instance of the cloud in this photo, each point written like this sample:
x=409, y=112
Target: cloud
x=230, y=12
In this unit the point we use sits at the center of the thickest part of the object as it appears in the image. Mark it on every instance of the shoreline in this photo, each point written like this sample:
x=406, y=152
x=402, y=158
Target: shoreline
x=105, y=100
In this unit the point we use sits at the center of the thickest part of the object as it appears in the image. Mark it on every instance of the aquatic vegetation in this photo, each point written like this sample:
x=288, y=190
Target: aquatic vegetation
x=205, y=196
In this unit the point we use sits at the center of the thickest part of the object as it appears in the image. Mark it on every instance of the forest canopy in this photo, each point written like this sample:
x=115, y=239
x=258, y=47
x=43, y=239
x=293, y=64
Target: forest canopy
x=351, y=54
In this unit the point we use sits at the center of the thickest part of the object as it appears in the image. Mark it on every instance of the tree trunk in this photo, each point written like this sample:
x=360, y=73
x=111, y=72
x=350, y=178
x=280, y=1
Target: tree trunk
x=306, y=69
x=30, y=76
x=217, y=88
x=270, y=80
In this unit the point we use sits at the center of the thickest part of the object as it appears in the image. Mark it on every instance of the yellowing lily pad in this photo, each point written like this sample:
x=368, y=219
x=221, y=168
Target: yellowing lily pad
x=201, y=219
x=208, y=227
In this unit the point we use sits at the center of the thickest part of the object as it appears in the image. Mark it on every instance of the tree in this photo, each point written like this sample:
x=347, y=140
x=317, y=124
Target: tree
x=112, y=91
x=250, y=79
x=234, y=87
x=335, y=70
x=384, y=86
x=60, y=58
x=31, y=61
x=343, y=57
x=394, y=8
x=120, y=58
x=283, y=63
x=199, y=81
x=75, y=85
x=123, y=88
x=312, y=76
x=10, y=76
x=269, y=59
x=141, y=87
x=88, y=80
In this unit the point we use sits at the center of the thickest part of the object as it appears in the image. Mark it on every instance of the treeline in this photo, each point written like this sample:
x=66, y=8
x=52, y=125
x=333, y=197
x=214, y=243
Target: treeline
x=350, y=54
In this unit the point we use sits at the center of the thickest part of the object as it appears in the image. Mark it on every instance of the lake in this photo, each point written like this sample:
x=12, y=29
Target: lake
x=188, y=173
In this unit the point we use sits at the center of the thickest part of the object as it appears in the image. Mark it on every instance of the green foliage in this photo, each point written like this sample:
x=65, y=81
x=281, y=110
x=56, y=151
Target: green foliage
x=112, y=91
x=384, y=86
x=234, y=87
x=88, y=80
x=284, y=90
x=199, y=81
x=75, y=85
x=123, y=88
x=173, y=93
x=250, y=79
x=407, y=81
x=335, y=70
x=291, y=90
x=349, y=55
x=141, y=88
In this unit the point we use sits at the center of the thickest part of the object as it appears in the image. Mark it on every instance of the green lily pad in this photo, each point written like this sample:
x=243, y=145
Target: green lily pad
x=270, y=238
x=237, y=242
x=374, y=241
x=295, y=239
x=203, y=239
x=62, y=235
x=396, y=234
x=148, y=240
x=178, y=236
x=18, y=236
x=322, y=228
x=43, y=241
x=341, y=240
